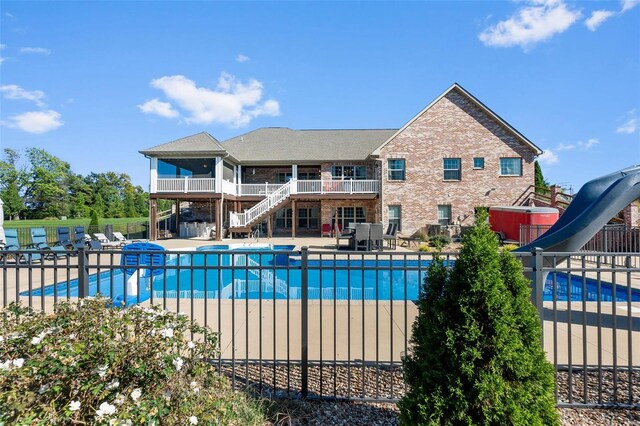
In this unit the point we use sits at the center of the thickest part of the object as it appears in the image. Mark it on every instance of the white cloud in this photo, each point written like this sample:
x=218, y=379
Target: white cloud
x=585, y=146
x=548, y=157
x=36, y=121
x=232, y=102
x=35, y=50
x=564, y=147
x=156, y=106
x=9, y=15
x=597, y=18
x=2, y=59
x=15, y=92
x=629, y=4
x=242, y=58
x=536, y=22
x=630, y=125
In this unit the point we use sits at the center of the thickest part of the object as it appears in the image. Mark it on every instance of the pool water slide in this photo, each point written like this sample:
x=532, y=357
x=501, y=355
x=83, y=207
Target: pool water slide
x=592, y=207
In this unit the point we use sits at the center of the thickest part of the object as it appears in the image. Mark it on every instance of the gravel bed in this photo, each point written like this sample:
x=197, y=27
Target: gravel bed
x=282, y=383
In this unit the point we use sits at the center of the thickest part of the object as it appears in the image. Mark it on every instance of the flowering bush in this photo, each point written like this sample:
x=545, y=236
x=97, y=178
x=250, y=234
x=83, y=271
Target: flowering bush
x=91, y=364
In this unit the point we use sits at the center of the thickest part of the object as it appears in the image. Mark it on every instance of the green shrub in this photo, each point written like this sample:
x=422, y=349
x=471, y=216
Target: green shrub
x=425, y=247
x=476, y=355
x=508, y=247
x=93, y=224
x=439, y=241
x=90, y=364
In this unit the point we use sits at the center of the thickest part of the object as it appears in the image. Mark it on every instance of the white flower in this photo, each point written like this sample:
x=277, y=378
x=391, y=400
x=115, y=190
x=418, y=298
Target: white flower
x=72, y=336
x=135, y=394
x=194, y=387
x=43, y=389
x=166, y=332
x=178, y=363
x=36, y=340
x=193, y=420
x=102, y=370
x=74, y=405
x=1, y=339
x=18, y=362
x=113, y=385
x=182, y=314
x=190, y=344
x=119, y=400
x=5, y=365
x=105, y=409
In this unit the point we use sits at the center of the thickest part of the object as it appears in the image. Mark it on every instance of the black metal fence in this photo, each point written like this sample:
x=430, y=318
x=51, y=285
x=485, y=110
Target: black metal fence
x=133, y=230
x=321, y=324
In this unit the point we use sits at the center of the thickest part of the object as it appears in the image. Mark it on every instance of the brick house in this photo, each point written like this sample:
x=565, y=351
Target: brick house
x=452, y=157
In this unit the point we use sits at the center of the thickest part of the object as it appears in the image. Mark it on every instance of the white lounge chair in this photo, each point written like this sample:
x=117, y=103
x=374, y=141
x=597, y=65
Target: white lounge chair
x=106, y=242
x=124, y=241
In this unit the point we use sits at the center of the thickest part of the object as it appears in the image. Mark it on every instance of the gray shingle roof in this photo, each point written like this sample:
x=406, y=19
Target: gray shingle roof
x=191, y=146
x=284, y=145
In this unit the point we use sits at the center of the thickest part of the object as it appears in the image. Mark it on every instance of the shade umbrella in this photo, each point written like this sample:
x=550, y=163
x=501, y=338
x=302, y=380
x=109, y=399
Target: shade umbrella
x=2, y=240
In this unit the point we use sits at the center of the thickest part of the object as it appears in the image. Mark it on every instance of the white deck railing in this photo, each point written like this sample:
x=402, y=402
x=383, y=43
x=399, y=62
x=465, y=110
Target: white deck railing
x=322, y=186
x=186, y=184
x=337, y=186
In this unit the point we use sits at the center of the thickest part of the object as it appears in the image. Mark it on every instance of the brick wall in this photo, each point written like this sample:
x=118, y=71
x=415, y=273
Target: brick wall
x=454, y=127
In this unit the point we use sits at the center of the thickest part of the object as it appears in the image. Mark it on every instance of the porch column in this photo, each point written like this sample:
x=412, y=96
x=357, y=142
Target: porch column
x=153, y=213
x=219, y=173
x=239, y=181
x=178, y=217
x=153, y=176
x=293, y=218
x=269, y=233
x=218, y=214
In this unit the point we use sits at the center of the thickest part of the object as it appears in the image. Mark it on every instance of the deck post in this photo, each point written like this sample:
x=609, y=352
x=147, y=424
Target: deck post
x=269, y=235
x=293, y=219
x=153, y=216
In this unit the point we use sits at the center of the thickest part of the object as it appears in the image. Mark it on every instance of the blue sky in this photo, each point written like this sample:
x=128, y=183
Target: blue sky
x=95, y=82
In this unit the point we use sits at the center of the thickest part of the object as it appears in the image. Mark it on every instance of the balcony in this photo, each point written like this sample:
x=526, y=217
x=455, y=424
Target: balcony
x=203, y=185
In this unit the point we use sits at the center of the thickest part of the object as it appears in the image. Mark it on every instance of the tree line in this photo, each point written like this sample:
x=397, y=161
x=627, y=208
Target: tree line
x=38, y=185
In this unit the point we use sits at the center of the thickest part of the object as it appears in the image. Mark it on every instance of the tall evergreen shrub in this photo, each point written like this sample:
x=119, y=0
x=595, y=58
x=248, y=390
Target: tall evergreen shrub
x=476, y=354
x=93, y=224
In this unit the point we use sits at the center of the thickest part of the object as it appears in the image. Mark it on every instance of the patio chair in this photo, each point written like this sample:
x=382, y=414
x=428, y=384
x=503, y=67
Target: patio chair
x=124, y=241
x=375, y=236
x=326, y=230
x=390, y=236
x=340, y=237
x=105, y=242
x=12, y=247
x=39, y=242
x=64, y=239
x=78, y=240
x=361, y=236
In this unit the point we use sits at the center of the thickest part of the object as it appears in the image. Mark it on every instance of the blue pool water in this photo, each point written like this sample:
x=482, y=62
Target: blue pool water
x=258, y=277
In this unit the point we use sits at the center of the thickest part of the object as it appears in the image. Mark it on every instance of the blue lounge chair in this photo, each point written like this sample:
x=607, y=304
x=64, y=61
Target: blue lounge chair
x=39, y=242
x=64, y=239
x=13, y=248
x=78, y=237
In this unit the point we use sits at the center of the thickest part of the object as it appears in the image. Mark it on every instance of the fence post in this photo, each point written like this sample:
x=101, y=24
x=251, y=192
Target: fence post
x=304, y=338
x=538, y=284
x=83, y=272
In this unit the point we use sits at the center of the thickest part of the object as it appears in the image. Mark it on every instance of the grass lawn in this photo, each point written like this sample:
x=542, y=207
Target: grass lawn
x=71, y=222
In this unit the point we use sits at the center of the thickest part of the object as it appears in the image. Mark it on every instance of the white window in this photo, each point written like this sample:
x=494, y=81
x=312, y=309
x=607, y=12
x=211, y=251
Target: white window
x=346, y=215
x=348, y=172
x=444, y=214
x=394, y=216
x=452, y=168
x=396, y=169
x=511, y=167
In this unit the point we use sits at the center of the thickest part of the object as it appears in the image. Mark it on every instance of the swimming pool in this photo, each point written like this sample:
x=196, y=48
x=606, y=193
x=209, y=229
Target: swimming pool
x=220, y=273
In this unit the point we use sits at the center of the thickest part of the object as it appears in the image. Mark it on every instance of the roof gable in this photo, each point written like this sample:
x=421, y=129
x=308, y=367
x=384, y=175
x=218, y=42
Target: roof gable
x=483, y=107
x=195, y=145
x=281, y=144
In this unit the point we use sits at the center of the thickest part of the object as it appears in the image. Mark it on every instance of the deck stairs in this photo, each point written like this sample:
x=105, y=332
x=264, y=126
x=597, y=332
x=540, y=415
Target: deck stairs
x=271, y=203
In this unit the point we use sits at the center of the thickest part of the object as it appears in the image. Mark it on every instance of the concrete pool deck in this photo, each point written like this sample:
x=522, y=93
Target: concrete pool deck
x=364, y=331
